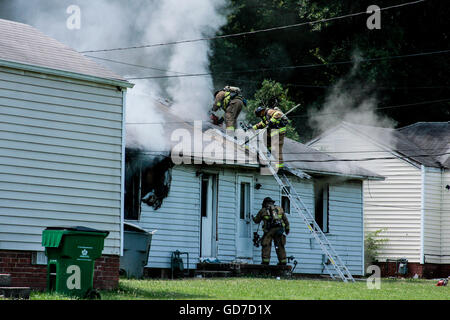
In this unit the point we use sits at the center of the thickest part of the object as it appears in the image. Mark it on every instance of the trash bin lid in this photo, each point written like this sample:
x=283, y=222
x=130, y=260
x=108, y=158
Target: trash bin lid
x=52, y=238
x=76, y=228
x=132, y=227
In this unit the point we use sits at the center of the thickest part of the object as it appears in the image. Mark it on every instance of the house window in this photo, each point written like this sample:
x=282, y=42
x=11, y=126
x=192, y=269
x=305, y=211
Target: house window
x=204, y=196
x=245, y=200
x=285, y=201
x=147, y=182
x=133, y=184
x=321, y=201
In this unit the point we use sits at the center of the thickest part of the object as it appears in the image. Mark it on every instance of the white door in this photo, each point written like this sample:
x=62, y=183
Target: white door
x=244, y=224
x=208, y=216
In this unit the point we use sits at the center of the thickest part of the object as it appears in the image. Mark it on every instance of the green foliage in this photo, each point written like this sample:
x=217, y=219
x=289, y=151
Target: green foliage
x=416, y=28
x=373, y=243
x=269, y=89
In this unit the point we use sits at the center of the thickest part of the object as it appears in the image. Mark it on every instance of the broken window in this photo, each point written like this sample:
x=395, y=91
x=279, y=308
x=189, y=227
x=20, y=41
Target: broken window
x=321, y=204
x=147, y=180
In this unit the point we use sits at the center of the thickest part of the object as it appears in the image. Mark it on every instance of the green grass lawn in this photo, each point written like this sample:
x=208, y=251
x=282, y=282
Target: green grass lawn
x=267, y=289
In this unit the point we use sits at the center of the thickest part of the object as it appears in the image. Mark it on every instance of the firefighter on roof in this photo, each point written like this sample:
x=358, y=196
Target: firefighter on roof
x=274, y=227
x=230, y=100
x=276, y=121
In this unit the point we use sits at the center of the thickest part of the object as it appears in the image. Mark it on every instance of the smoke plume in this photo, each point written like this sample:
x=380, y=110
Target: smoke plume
x=351, y=100
x=113, y=23
x=354, y=101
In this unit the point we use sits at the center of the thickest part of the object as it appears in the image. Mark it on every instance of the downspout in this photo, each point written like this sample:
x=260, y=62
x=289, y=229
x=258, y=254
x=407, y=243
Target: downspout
x=422, y=217
x=363, y=232
x=122, y=177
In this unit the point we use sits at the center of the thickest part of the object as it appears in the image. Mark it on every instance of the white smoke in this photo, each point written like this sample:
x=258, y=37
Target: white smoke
x=349, y=100
x=353, y=101
x=113, y=23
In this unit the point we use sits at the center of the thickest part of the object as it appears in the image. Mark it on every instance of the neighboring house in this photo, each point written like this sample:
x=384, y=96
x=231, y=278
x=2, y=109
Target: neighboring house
x=206, y=209
x=412, y=204
x=61, y=151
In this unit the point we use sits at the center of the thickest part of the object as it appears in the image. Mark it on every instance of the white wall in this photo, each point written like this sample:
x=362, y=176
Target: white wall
x=445, y=218
x=432, y=214
x=60, y=158
x=178, y=220
x=393, y=204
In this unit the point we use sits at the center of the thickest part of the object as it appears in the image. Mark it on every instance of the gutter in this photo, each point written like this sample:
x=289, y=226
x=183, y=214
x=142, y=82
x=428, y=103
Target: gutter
x=376, y=178
x=66, y=74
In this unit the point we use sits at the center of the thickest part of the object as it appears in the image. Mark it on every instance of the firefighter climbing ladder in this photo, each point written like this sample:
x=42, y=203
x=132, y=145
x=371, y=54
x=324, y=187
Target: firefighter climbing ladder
x=288, y=189
x=334, y=260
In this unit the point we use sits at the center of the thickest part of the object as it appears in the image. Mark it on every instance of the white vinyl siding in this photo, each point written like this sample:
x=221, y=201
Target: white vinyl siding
x=445, y=218
x=393, y=204
x=60, y=158
x=432, y=215
x=178, y=220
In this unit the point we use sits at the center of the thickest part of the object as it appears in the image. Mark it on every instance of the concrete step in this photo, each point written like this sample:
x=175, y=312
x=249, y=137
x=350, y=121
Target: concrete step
x=15, y=292
x=5, y=280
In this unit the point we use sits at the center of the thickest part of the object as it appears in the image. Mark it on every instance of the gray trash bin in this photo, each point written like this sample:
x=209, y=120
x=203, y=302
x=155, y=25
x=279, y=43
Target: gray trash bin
x=136, y=248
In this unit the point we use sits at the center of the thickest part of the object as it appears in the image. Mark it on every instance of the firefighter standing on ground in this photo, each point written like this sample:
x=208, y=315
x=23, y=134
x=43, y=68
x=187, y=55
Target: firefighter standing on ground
x=231, y=102
x=276, y=121
x=275, y=225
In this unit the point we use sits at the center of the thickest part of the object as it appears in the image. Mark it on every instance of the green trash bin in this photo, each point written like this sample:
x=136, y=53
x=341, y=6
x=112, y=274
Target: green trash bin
x=71, y=253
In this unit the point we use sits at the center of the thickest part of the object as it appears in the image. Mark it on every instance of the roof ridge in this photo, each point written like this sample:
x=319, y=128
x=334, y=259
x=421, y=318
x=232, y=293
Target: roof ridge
x=422, y=122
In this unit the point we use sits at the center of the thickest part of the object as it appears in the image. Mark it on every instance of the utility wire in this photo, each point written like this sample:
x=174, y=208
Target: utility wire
x=300, y=116
x=253, y=81
x=252, y=32
x=198, y=153
x=294, y=66
x=446, y=149
x=381, y=108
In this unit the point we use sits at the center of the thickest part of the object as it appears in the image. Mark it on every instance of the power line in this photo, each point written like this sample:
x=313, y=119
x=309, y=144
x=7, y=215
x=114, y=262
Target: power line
x=300, y=116
x=198, y=153
x=332, y=152
x=133, y=65
x=294, y=66
x=251, y=32
x=258, y=82
x=381, y=108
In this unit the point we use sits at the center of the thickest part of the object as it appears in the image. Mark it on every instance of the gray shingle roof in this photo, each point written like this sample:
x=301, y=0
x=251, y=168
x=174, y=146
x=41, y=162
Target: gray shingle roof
x=396, y=141
x=303, y=157
x=401, y=141
x=24, y=44
x=296, y=154
x=432, y=137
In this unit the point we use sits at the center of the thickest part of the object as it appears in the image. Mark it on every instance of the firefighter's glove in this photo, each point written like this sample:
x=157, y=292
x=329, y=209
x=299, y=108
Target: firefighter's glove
x=287, y=231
